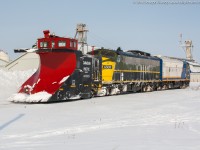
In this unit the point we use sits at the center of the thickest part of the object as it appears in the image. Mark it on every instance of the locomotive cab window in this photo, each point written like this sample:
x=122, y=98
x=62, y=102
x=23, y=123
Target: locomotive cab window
x=71, y=43
x=52, y=44
x=62, y=43
x=44, y=44
x=74, y=44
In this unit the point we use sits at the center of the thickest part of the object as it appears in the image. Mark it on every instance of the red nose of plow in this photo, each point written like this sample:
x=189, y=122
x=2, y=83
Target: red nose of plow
x=55, y=68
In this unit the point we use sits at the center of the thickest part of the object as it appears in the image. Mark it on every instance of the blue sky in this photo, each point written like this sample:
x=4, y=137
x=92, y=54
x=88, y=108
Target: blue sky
x=152, y=28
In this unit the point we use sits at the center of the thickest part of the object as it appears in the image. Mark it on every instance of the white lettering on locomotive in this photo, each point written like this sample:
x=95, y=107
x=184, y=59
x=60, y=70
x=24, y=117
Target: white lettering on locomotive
x=86, y=69
x=107, y=66
x=86, y=76
x=86, y=63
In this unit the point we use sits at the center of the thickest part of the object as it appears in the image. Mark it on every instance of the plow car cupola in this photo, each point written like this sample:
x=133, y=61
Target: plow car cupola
x=51, y=41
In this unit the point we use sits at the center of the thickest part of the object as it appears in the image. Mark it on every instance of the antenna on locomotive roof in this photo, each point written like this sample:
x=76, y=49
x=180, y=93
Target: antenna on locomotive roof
x=187, y=47
x=81, y=31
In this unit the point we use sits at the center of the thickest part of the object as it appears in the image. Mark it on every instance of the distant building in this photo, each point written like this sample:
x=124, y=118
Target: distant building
x=194, y=72
x=4, y=59
x=27, y=61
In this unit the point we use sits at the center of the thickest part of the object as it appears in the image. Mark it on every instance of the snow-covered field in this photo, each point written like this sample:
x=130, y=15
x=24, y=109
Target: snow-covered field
x=162, y=120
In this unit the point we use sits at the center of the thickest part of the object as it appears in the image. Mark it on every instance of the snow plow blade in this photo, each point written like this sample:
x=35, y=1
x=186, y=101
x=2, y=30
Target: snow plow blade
x=55, y=69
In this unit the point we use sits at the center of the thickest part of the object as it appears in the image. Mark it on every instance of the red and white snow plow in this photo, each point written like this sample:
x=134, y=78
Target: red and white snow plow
x=59, y=76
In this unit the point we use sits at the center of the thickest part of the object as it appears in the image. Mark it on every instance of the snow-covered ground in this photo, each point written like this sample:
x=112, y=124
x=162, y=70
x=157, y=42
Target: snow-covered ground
x=161, y=120
x=11, y=81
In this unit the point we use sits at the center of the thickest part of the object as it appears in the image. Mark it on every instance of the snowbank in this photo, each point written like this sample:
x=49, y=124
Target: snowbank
x=10, y=82
x=161, y=120
x=195, y=85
